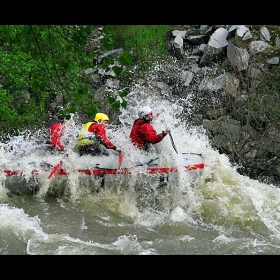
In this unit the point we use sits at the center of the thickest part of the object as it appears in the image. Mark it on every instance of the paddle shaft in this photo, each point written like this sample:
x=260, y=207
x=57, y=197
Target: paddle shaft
x=55, y=169
x=170, y=136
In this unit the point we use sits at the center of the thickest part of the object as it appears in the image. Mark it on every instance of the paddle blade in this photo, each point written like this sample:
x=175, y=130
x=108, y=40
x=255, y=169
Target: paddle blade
x=172, y=142
x=120, y=160
x=55, y=169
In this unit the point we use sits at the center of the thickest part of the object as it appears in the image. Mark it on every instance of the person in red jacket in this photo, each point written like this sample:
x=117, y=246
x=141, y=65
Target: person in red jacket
x=54, y=133
x=92, y=138
x=143, y=134
x=56, y=130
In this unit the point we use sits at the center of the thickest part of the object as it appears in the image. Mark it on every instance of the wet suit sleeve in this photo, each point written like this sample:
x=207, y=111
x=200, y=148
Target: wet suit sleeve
x=100, y=135
x=150, y=134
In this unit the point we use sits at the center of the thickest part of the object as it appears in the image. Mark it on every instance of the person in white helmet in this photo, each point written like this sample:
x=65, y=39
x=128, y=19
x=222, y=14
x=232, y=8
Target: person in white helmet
x=143, y=133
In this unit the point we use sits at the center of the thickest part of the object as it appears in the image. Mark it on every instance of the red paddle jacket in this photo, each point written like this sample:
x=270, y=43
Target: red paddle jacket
x=100, y=135
x=55, y=131
x=143, y=133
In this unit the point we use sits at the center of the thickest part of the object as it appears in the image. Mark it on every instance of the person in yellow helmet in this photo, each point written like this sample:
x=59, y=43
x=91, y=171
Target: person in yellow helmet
x=92, y=138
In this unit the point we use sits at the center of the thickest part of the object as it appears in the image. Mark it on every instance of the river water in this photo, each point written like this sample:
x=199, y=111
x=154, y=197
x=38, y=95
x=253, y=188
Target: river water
x=215, y=211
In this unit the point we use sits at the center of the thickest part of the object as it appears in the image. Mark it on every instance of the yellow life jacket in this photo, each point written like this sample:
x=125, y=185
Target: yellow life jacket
x=85, y=137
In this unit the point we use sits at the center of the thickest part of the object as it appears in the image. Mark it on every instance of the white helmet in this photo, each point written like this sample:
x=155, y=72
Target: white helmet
x=144, y=111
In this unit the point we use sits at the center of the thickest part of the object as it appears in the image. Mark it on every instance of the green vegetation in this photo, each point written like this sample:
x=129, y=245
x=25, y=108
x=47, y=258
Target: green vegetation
x=146, y=43
x=49, y=63
x=44, y=61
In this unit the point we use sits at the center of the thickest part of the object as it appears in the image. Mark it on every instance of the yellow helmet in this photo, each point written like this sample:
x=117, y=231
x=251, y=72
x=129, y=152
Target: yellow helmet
x=101, y=116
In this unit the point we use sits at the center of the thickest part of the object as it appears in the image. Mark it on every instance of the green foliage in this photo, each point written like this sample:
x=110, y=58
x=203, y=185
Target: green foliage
x=49, y=61
x=116, y=103
x=7, y=114
x=146, y=43
x=45, y=61
x=107, y=43
x=26, y=117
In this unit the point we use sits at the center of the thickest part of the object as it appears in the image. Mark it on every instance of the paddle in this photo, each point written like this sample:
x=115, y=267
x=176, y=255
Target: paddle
x=147, y=163
x=68, y=151
x=120, y=160
x=55, y=169
x=171, y=138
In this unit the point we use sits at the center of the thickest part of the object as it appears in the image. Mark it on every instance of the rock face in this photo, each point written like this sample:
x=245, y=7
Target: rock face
x=232, y=104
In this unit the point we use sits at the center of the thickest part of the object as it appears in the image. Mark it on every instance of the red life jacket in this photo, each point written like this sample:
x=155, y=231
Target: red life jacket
x=143, y=133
